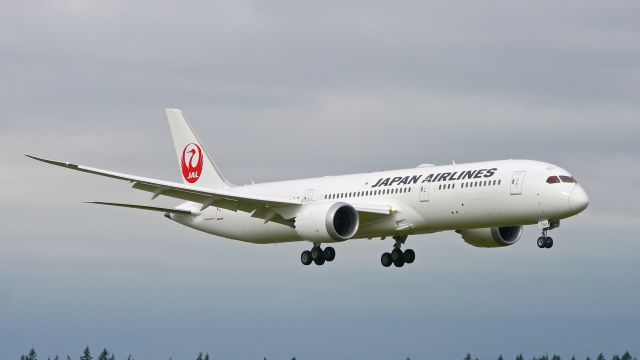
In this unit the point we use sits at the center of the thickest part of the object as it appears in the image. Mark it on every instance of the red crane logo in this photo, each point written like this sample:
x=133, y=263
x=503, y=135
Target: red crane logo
x=192, y=162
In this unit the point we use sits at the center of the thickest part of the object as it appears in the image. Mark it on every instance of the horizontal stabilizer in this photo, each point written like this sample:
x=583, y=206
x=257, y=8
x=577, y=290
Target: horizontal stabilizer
x=143, y=207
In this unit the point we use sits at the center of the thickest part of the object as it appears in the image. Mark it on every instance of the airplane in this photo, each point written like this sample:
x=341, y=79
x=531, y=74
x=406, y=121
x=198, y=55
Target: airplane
x=486, y=203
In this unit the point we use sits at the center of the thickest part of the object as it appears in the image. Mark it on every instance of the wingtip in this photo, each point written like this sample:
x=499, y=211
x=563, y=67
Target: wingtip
x=34, y=157
x=171, y=110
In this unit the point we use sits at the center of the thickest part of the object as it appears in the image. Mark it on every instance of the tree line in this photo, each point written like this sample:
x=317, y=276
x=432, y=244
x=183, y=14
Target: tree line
x=106, y=355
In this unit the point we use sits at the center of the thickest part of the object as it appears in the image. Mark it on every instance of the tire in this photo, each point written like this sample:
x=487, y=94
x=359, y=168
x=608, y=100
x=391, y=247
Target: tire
x=399, y=262
x=316, y=252
x=319, y=260
x=396, y=255
x=305, y=258
x=549, y=243
x=409, y=256
x=386, y=259
x=329, y=253
x=541, y=242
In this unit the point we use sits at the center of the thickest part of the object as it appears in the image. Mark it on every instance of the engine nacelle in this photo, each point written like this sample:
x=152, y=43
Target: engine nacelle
x=327, y=222
x=492, y=237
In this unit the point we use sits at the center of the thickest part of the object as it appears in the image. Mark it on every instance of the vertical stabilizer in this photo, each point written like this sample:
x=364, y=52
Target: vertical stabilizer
x=196, y=165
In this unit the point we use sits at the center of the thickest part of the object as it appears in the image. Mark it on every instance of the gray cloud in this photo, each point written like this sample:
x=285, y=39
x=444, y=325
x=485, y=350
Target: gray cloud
x=348, y=87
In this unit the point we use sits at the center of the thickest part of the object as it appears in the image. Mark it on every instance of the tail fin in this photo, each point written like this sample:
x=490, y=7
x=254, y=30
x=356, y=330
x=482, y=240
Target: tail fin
x=197, y=166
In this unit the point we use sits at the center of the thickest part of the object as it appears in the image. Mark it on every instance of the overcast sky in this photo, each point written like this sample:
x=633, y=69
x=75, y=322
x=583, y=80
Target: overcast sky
x=288, y=89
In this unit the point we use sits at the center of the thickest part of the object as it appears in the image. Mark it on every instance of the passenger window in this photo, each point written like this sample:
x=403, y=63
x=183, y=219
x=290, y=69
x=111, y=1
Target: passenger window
x=553, y=180
x=567, y=179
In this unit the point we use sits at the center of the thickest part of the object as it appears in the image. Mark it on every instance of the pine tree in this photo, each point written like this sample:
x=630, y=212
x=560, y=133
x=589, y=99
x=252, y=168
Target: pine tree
x=467, y=357
x=626, y=356
x=86, y=354
x=616, y=357
x=555, y=357
x=131, y=357
x=32, y=355
x=199, y=357
x=573, y=358
x=520, y=357
x=500, y=357
x=601, y=357
x=56, y=358
x=206, y=356
x=104, y=355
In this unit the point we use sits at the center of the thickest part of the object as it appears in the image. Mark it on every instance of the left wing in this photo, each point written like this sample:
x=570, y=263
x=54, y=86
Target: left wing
x=226, y=199
x=264, y=207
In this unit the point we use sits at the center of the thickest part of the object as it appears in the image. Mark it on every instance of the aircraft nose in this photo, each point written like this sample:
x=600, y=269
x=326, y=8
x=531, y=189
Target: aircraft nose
x=578, y=199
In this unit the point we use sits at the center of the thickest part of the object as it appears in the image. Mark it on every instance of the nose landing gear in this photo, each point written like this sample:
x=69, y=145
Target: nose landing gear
x=398, y=257
x=317, y=255
x=544, y=241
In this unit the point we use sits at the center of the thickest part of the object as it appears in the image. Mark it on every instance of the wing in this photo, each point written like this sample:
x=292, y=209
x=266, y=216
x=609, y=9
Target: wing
x=264, y=207
x=207, y=197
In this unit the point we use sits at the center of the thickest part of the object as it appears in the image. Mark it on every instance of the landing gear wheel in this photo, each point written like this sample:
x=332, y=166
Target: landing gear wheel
x=549, y=243
x=396, y=255
x=409, y=256
x=316, y=252
x=542, y=242
x=319, y=260
x=386, y=259
x=399, y=262
x=306, y=257
x=329, y=253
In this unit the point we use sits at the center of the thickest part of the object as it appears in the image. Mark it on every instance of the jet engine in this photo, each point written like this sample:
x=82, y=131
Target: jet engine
x=327, y=222
x=492, y=237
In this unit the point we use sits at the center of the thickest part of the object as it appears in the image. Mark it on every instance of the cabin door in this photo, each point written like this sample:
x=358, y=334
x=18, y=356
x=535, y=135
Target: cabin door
x=516, y=182
x=424, y=192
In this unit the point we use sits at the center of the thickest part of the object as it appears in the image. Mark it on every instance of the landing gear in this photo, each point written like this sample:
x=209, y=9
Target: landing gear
x=398, y=257
x=317, y=255
x=544, y=241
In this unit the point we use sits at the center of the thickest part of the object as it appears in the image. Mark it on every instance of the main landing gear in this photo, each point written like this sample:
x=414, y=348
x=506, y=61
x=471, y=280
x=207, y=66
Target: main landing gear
x=398, y=257
x=544, y=241
x=317, y=255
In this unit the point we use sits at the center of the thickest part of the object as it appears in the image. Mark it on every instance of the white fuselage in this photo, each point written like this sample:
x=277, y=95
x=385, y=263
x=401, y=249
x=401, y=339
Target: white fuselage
x=423, y=200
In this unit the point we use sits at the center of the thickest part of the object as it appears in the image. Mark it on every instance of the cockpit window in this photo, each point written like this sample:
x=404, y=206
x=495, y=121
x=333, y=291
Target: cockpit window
x=553, y=180
x=567, y=179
